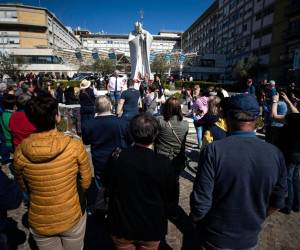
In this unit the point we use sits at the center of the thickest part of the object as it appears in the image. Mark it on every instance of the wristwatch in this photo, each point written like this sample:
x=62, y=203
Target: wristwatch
x=275, y=101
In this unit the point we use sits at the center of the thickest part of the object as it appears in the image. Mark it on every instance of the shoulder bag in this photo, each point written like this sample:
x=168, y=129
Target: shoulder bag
x=180, y=160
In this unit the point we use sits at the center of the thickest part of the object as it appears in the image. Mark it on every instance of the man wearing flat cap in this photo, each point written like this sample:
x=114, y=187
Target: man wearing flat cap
x=240, y=181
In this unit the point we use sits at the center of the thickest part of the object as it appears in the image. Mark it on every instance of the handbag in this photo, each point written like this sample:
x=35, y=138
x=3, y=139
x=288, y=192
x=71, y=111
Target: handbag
x=180, y=160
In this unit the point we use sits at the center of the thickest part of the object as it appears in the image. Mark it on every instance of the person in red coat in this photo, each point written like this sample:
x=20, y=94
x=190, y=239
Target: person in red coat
x=19, y=124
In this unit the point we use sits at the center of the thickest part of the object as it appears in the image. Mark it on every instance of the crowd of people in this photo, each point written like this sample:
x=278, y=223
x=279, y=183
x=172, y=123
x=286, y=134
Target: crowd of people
x=137, y=140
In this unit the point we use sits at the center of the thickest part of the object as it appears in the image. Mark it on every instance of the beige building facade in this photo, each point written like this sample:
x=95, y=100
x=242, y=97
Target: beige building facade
x=23, y=26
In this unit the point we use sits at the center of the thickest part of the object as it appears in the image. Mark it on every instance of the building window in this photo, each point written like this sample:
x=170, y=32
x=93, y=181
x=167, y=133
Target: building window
x=265, y=51
x=11, y=14
x=8, y=14
x=267, y=31
x=265, y=12
x=14, y=40
x=207, y=63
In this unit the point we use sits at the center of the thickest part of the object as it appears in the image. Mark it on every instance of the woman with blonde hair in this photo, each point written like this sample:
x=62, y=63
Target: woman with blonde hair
x=214, y=127
x=196, y=92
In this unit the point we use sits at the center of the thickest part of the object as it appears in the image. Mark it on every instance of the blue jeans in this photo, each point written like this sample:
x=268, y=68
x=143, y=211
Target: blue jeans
x=115, y=97
x=293, y=181
x=199, y=131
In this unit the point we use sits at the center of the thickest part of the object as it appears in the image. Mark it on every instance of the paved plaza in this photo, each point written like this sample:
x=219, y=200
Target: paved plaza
x=279, y=232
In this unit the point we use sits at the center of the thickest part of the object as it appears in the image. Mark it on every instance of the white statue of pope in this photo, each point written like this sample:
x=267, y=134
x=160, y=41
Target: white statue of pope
x=140, y=42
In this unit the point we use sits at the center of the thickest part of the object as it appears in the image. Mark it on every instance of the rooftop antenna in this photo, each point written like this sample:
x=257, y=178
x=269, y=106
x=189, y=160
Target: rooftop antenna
x=141, y=12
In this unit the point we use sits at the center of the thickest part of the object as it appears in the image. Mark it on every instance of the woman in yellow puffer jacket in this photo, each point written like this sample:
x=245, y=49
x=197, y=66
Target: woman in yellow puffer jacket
x=55, y=170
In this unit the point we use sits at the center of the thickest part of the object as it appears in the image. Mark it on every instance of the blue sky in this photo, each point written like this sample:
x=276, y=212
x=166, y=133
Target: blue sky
x=118, y=17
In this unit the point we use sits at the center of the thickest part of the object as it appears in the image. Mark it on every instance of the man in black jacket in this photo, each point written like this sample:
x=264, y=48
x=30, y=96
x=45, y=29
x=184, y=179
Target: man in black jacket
x=240, y=180
x=10, y=198
x=142, y=189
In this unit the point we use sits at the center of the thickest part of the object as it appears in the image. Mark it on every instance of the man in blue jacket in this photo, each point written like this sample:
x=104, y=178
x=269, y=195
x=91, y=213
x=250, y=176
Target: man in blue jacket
x=240, y=181
x=10, y=198
x=105, y=132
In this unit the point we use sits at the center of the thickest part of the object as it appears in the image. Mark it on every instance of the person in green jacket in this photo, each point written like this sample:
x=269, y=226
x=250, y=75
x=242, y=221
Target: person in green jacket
x=9, y=102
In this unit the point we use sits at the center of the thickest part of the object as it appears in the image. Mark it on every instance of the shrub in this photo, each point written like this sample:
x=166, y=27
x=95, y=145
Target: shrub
x=178, y=95
x=166, y=86
x=62, y=126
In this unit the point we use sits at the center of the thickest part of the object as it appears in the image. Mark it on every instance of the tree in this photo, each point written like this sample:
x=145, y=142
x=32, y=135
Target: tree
x=104, y=66
x=84, y=67
x=159, y=65
x=7, y=67
x=246, y=68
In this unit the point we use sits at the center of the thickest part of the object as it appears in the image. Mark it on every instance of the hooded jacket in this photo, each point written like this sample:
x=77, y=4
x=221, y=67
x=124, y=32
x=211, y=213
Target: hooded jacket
x=55, y=169
x=215, y=129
